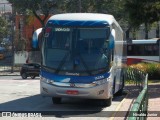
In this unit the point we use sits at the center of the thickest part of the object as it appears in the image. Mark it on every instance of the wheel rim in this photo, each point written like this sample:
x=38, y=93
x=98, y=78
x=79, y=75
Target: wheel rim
x=32, y=77
x=24, y=75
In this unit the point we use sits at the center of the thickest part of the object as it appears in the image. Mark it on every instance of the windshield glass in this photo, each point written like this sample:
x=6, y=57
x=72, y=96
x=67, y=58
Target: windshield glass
x=80, y=50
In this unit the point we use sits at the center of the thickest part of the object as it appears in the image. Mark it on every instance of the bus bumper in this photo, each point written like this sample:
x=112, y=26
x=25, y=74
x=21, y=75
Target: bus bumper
x=103, y=91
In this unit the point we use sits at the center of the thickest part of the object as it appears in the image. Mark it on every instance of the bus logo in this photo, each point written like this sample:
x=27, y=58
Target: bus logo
x=72, y=85
x=74, y=74
x=99, y=77
x=62, y=29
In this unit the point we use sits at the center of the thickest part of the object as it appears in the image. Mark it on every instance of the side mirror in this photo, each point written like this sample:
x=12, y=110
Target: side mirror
x=35, y=38
x=112, y=39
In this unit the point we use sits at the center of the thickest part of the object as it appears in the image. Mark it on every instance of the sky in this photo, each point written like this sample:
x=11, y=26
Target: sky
x=5, y=7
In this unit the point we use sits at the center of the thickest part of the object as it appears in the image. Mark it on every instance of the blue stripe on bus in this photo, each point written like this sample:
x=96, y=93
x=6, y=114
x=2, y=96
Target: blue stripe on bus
x=63, y=23
x=72, y=79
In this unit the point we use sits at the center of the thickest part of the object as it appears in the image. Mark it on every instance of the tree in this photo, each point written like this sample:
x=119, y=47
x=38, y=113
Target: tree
x=114, y=7
x=19, y=43
x=96, y=6
x=3, y=28
x=143, y=12
x=35, y=7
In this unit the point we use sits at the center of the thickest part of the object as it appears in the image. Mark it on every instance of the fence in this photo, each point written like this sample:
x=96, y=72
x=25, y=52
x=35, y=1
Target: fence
x=140, y=106
x=13, y=63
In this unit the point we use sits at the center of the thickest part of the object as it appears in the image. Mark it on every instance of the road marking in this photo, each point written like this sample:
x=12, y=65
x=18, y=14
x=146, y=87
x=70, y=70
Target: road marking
x=118, y=107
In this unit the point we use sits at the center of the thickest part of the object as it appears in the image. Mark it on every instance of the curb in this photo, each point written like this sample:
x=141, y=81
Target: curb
x=10, y=74
x=118, y=108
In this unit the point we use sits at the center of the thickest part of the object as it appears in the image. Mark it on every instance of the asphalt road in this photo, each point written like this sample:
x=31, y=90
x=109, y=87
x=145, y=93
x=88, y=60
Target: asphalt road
x=17, y=94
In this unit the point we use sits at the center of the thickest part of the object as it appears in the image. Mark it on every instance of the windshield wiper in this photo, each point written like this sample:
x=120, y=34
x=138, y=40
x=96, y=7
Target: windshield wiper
x=62, y=62
x=85, y=65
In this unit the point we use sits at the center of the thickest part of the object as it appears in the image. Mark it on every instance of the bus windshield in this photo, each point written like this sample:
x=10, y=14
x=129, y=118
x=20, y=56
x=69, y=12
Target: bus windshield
x=76, y=50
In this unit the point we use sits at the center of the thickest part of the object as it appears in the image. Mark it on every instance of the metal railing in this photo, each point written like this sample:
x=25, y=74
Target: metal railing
x=135, y=76
x=140, y=105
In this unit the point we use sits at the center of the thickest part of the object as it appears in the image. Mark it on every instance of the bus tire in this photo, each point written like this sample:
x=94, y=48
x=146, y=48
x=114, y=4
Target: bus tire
x=56, y=100
x=105, y=102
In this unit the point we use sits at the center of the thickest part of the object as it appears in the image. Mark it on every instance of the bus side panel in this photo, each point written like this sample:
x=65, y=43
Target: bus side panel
x=119, y=58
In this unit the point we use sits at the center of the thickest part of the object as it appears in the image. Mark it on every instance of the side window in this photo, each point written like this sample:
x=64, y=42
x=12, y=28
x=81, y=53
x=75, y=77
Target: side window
x=151, y=50
x=129, y=50
x=37, y=66
x=31, y=66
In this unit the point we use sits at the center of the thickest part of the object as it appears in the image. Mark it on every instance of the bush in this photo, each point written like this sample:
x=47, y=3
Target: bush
x=153, y=69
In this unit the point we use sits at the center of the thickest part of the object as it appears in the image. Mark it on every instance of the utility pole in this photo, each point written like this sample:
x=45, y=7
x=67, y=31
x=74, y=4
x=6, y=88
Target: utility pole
x=79, y=5
x=157, y=30
x=159, y=50
x=12, y=26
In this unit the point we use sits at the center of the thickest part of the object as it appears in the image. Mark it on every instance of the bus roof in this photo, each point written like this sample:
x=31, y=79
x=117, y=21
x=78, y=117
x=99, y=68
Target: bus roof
x=145, y=41
x=84, y=17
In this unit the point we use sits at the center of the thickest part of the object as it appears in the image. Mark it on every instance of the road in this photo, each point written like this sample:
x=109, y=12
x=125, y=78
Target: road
x=24, y=95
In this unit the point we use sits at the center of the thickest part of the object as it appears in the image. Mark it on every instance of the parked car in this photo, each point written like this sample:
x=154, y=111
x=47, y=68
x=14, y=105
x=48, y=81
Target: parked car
x=2, y=53
x=30, y=70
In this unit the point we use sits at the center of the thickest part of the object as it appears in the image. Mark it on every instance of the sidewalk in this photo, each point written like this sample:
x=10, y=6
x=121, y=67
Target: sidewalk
x=126, y=103
x=9, y=73
x=133, y=92
x=154, y=100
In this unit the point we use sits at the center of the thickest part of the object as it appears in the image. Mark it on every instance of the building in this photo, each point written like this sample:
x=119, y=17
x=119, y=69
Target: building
x=26, y=25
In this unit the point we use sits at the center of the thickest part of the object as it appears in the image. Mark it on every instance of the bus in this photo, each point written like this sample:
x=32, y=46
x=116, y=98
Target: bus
x=83, y=56
x=145, y=50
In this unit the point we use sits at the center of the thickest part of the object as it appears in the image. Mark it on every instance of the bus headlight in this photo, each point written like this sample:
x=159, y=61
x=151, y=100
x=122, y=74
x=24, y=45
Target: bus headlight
x=47, y=80
x=102, y=81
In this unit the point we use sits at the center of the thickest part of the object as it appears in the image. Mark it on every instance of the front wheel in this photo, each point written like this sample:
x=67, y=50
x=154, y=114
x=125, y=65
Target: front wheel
x=105, y=102
x=24, y=75
x=56, y=100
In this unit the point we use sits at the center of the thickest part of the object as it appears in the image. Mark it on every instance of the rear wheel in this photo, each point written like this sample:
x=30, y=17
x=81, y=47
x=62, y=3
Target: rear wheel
x=33, y=76
x=56, y=100
x=24, y=75
x=120, y=92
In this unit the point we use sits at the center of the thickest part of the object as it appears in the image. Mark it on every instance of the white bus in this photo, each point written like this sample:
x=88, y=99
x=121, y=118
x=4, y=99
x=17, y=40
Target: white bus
x=83, y=56
x=147, y=50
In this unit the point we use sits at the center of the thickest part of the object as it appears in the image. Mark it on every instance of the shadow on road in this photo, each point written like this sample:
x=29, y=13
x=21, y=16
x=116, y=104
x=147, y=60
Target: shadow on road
x=68, y=107
x=29, y=78
x=154, y=90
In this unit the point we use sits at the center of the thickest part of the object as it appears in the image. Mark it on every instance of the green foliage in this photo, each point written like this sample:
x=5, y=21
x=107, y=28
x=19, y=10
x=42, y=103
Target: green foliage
x=129, y=13
x=142, y=11
x=35, y=7
x=96, y=6
x=153, y=69
x=3, y=27
x=114, y=7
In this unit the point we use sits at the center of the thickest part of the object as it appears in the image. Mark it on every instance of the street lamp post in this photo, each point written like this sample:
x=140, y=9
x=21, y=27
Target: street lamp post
x=159, y=49
x=79, y=5
x=12, y=27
